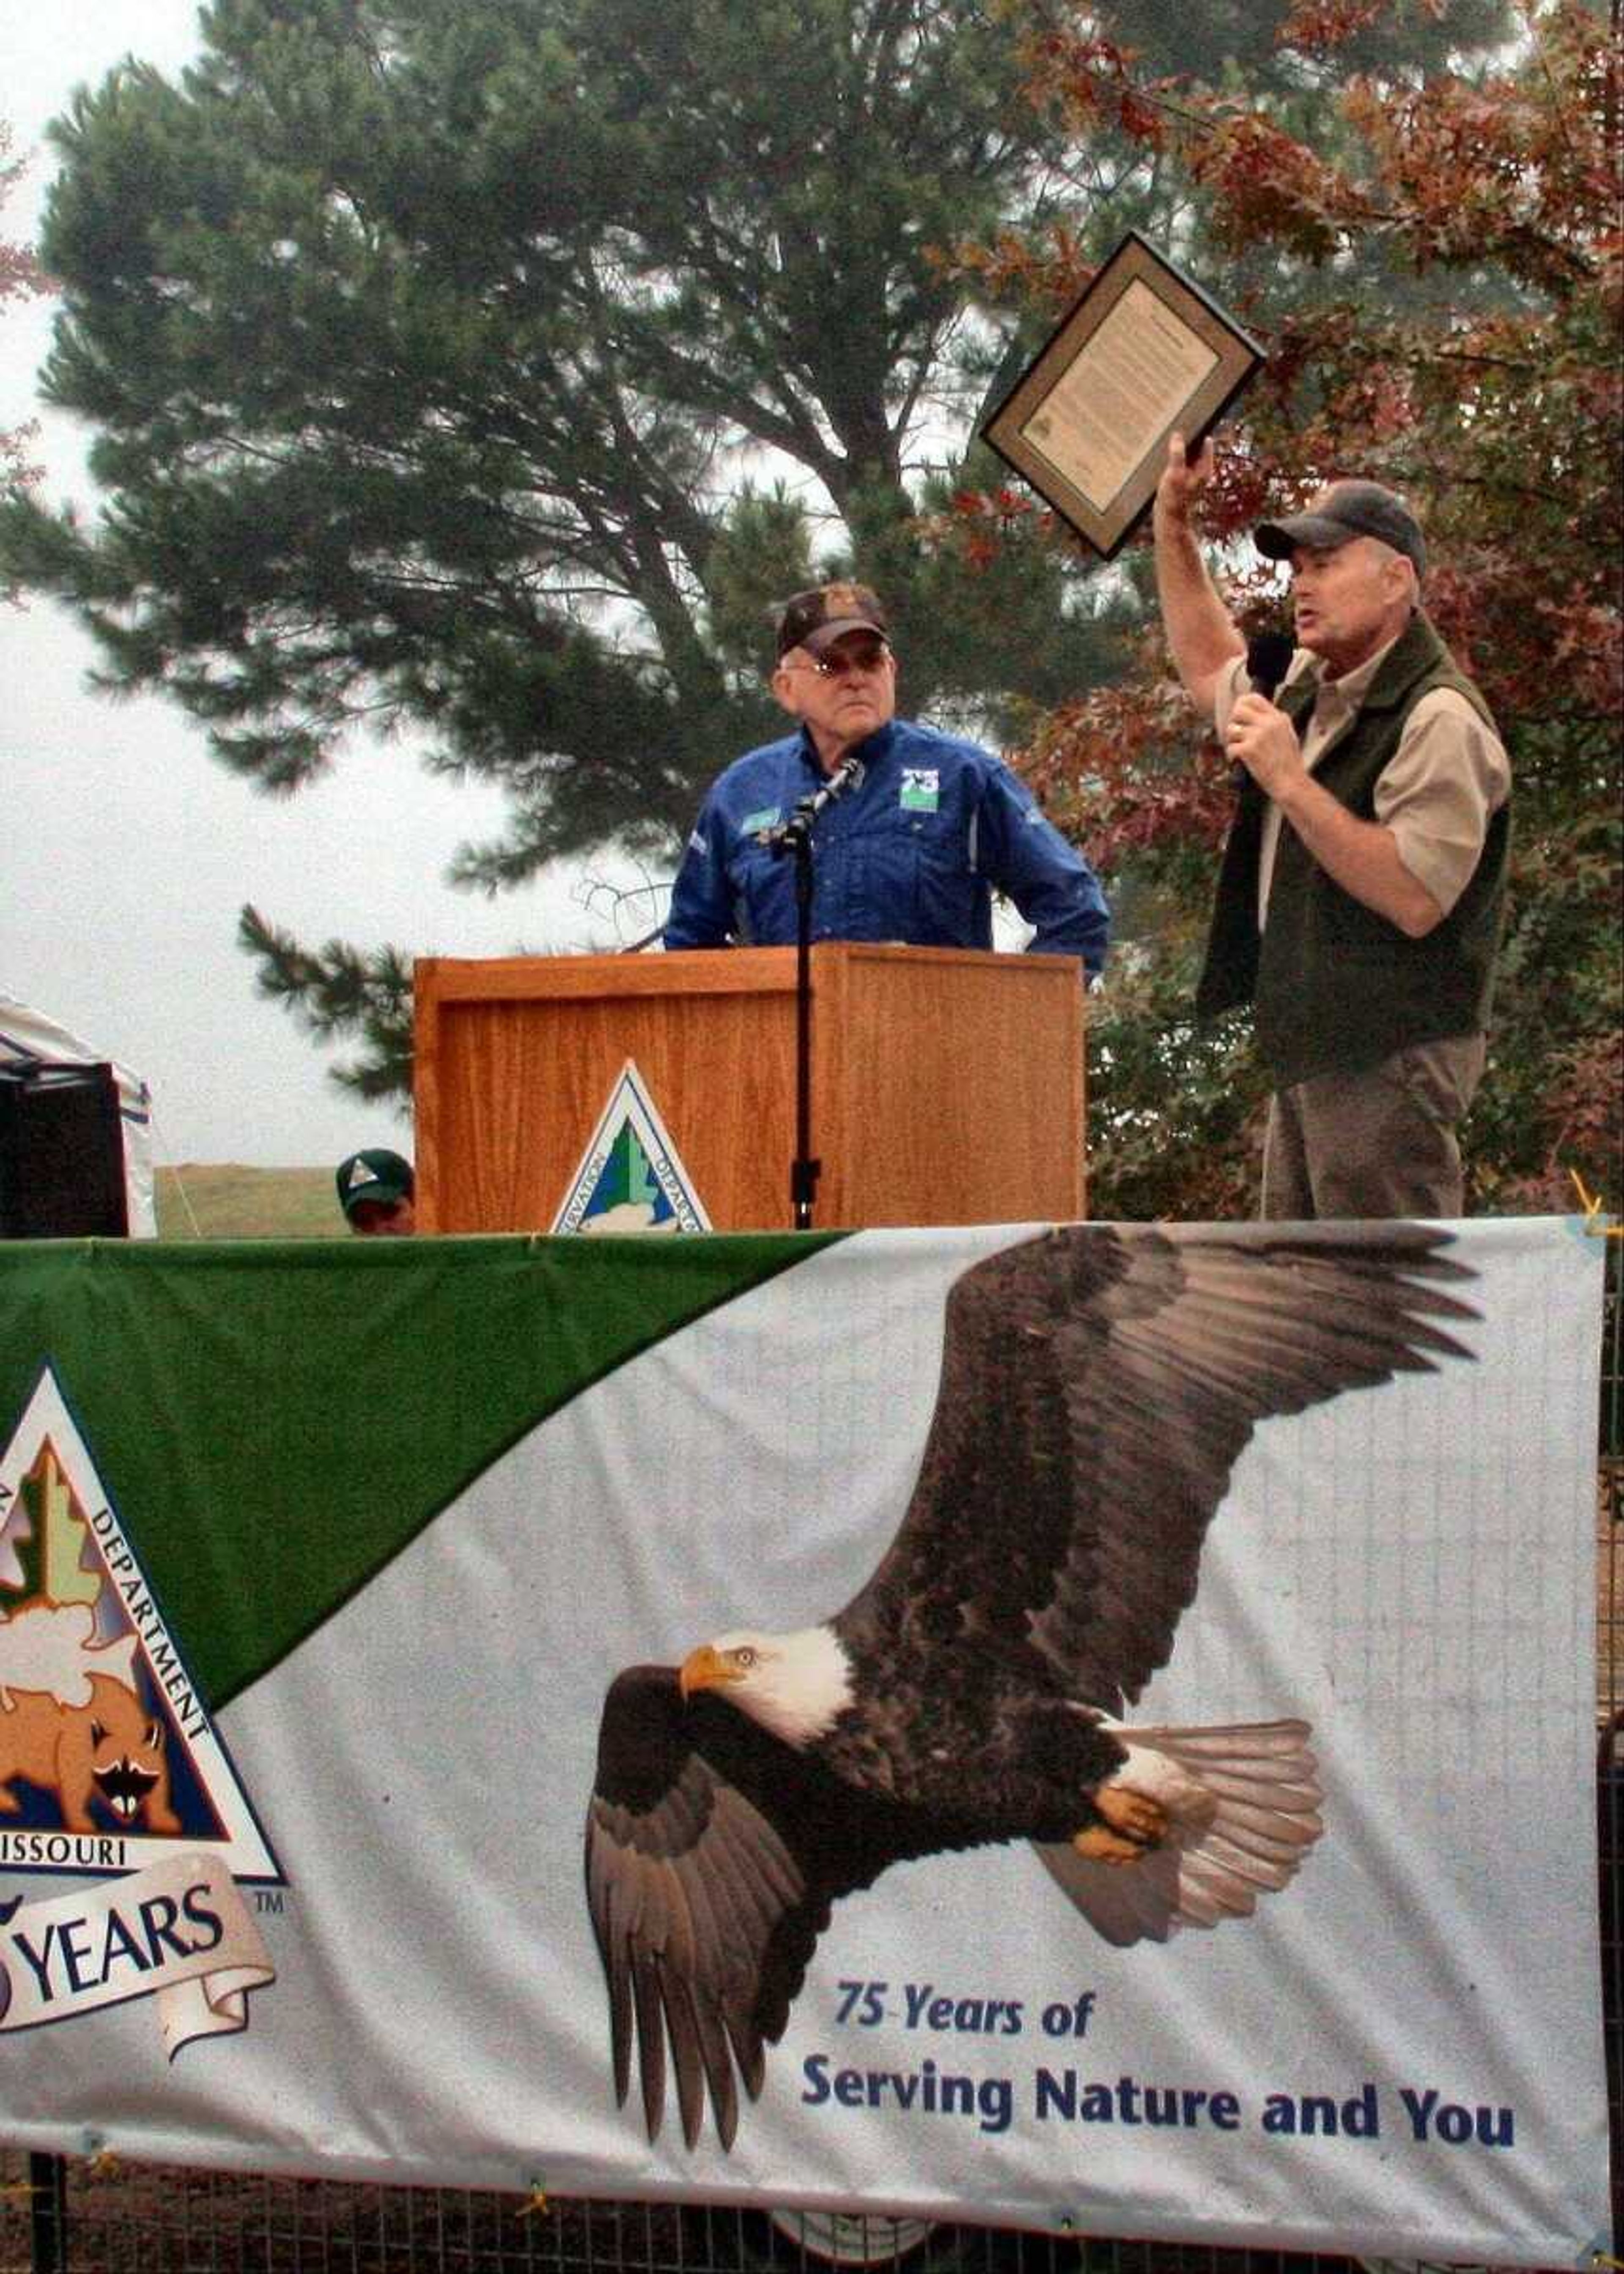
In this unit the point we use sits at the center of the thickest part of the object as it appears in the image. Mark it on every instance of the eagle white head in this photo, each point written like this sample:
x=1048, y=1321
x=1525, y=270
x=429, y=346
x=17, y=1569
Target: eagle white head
x=797, y=1686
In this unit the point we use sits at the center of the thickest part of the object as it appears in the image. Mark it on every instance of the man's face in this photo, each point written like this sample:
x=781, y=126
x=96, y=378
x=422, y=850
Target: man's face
x=383, y=1219
x=1349, y=603
x=842, y=695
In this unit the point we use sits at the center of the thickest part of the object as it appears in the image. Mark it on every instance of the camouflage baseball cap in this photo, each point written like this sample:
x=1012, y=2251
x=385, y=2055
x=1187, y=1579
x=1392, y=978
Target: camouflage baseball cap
x=827, y=613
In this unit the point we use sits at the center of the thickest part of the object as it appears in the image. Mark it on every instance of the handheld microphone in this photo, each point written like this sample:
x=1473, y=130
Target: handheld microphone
x=1268, y=659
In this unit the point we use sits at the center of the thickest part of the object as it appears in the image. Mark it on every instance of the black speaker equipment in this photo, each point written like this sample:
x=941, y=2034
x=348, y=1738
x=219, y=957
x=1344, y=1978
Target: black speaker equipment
x=61, y=1152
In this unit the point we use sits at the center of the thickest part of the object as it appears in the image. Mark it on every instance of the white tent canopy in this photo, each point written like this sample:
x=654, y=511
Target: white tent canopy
x=29, y=1037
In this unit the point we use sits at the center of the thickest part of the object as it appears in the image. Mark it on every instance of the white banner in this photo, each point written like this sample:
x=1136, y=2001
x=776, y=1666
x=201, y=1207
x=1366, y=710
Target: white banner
x=1387, y=2043
x=177, y=1931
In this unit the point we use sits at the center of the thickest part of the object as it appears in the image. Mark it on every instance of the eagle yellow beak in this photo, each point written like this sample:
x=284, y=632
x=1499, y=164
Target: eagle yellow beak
x=705, y=1669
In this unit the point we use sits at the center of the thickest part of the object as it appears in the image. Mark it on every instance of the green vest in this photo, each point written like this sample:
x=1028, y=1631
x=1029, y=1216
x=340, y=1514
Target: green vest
x=1336, y=986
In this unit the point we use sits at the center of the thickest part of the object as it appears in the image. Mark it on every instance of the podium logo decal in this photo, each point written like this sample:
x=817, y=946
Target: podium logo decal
x=629, y=1178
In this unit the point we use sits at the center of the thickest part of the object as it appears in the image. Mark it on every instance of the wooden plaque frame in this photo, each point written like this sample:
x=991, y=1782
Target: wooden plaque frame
x=1140, y=318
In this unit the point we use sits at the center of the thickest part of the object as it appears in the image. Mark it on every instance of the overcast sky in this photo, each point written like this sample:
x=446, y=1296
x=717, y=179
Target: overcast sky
x=128, y=850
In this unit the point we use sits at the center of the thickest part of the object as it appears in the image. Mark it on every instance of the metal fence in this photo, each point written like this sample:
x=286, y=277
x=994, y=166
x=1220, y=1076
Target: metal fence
x=86, y=2218
x=96, y=2215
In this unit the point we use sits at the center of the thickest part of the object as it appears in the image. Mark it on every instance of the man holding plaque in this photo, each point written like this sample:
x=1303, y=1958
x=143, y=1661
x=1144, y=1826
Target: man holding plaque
x=1360, y=896
x=913, y=830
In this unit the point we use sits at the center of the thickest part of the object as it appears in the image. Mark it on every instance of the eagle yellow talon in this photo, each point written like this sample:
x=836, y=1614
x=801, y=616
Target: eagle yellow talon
x=1133, y=1825
x=1101, y=1846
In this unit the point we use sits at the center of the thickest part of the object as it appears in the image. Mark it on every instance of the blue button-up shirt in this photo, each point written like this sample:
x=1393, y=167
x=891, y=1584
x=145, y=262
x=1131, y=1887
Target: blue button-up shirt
x=912, y=852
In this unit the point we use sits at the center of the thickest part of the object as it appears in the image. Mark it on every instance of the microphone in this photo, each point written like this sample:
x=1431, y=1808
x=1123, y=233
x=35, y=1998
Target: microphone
x=1268, y=657
x=846, y=776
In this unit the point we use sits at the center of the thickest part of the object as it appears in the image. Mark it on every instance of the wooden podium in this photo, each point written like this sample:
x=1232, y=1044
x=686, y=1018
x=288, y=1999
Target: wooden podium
x=947, y=1084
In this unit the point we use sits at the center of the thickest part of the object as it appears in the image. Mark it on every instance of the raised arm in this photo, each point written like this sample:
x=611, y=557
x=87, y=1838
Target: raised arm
x=1201, y=631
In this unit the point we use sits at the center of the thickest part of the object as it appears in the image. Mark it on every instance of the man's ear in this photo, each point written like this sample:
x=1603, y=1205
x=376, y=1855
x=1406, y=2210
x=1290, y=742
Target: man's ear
x=782, y=685
x=1399, y=577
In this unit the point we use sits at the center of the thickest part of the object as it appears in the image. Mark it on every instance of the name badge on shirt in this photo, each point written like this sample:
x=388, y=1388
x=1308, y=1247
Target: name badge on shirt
x=757, y=825
x=919, y=790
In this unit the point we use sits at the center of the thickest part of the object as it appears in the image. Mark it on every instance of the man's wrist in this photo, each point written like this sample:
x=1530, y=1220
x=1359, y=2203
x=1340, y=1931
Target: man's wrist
x=1298, y=795
x=1172, y=525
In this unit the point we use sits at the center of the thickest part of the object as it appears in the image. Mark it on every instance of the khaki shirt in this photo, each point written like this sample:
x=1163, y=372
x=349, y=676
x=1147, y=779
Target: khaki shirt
x=1437, y=793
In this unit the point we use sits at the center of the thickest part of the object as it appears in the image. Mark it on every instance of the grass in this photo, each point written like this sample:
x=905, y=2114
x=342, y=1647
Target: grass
x=230, y=1201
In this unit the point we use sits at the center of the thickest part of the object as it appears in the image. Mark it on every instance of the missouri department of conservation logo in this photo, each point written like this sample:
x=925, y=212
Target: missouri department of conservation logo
x=921, y=789
x=630, y=1178
x=110, y=1767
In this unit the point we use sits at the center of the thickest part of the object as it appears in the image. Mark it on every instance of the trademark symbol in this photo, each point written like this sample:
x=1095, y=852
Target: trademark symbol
x=268, y=1899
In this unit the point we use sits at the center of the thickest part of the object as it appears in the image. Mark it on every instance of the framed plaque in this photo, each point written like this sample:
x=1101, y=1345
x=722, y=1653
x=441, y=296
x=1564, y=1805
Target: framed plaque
x=1144, y=353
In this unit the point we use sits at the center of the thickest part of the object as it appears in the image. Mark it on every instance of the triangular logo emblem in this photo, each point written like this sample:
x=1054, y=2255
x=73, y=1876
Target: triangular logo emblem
x=109, y=1760
x=629, y=1178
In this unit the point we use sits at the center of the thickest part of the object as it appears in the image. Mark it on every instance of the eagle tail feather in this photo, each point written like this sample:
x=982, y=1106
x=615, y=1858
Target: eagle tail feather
x=1262, y=1831
x=1244, y=1801
x=1135, y=1904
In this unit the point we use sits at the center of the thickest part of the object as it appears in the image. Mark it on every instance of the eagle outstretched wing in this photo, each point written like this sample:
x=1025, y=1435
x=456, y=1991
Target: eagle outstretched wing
x=1098, y=1385
x=713, y=1853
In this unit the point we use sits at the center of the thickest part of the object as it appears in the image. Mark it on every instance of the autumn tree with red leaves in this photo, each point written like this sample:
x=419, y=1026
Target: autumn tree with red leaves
x=1433, y=263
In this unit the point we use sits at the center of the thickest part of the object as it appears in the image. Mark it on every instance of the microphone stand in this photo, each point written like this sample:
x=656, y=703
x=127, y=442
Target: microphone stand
x=795, y=836
x=806, y=1168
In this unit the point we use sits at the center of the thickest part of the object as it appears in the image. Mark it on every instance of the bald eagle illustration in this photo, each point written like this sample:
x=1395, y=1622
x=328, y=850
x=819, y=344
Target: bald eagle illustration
x=1098, y=1385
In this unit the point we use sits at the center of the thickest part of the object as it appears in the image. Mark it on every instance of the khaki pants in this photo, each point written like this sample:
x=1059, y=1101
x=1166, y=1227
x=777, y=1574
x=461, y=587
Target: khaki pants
x=1380, y=1142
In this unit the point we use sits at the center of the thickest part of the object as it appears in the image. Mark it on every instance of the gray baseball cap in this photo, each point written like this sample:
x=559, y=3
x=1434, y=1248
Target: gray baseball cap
x=1350, y=509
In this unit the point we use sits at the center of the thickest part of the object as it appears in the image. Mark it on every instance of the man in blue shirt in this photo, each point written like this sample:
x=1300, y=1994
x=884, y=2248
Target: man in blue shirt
x=925, y=829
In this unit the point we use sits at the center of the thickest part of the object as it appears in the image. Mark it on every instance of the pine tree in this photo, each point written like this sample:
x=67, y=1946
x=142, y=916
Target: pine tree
x=20, y=276
x=432, y=355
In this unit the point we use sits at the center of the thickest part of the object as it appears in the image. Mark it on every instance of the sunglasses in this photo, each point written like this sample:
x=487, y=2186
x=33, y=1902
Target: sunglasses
x=846, y=663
